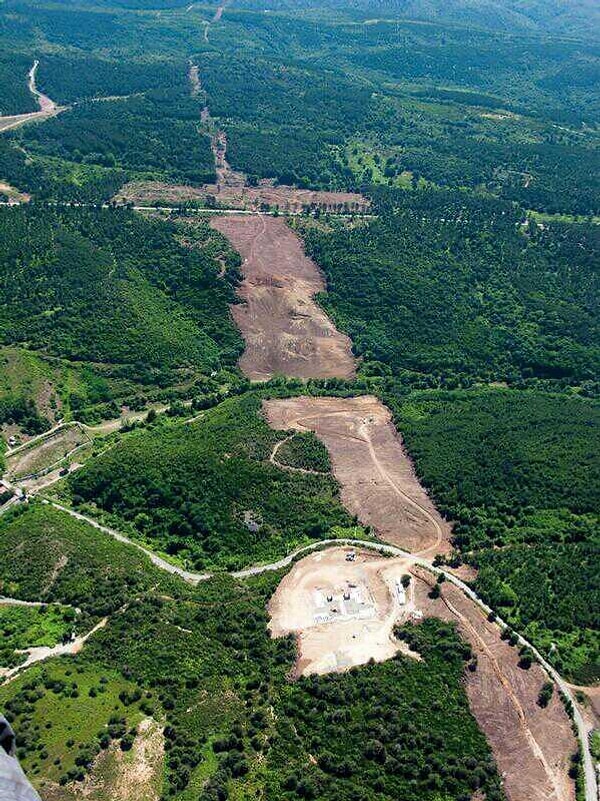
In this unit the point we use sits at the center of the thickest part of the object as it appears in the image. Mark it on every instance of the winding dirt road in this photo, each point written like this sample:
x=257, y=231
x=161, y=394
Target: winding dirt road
x=48, y=108
x=377, y=479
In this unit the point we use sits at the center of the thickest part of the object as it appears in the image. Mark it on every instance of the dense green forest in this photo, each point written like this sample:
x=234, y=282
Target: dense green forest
x=155, y=133
x=333, y=100
x=207, y=493
x=305, y=451
x=519, y=473
x=132, y=303
x=168, y=649
x=449, y=284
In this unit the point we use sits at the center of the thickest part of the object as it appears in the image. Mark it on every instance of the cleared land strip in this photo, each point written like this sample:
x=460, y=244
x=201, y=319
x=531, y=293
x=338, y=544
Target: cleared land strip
x=343, y=605
x=287, y=199
x=285, y=331
x=376, y=475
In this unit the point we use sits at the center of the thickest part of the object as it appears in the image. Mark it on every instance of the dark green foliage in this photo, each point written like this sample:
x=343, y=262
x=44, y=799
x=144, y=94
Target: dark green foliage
x=111, y=286
x=47, y=178
x=503, y=449
x=22, y=412
x=283, y=119
x=207, y=491
x=518, y=472
x=157, y=132
x=15, y=97
x=380, y=726
x=447, y=283
x=68, y=79
x=304, y=451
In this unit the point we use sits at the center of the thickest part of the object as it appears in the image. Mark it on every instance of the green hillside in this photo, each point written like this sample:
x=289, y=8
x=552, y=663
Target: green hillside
x=207, y=493
x=457, y=286
x=201, y=662
x=518, y=472
x=117, y=292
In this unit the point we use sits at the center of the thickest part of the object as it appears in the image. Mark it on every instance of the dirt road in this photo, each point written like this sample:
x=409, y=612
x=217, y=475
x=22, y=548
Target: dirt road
x=285, y=331
x=532, y=746
x=476, y=605
x=48, y=108
x=43, y=652
x=376, y=475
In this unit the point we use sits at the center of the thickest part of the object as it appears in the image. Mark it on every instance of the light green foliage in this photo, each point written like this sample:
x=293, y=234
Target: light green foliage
x=24, y=627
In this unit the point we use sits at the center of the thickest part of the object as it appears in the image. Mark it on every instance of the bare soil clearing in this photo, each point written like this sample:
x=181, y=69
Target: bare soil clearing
x=285, y=331
x=532, y=746
x=50, y=451
x=286, y=198
x=134, y=775
x=376, y=475
x=14, y=195
x=343, y=612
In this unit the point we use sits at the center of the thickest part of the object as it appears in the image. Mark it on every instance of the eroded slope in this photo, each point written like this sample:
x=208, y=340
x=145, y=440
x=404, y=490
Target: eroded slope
x=285, y=331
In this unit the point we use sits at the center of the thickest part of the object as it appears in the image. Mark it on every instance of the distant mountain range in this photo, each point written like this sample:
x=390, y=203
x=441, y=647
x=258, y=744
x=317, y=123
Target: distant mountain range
x=580, y=18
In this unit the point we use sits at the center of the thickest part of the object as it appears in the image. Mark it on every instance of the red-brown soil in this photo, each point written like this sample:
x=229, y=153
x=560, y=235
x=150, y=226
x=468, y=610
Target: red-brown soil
x=377, y=479
x=286, y=332
x=532, y=746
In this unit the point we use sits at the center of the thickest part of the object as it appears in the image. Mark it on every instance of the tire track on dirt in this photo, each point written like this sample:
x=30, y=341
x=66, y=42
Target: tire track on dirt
x=506, y=684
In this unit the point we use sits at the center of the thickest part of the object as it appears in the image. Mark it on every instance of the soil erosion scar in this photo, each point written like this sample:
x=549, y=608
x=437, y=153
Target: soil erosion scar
x=285, y=331
x=376, y=475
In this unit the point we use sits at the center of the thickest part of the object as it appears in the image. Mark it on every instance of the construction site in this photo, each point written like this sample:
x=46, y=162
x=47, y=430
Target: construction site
x=343, y=607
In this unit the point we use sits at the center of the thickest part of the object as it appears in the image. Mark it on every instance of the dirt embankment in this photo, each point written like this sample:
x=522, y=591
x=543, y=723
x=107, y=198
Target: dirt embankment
x=342, y=605
x=285, y=331
x=532, y=746
x=376, y=475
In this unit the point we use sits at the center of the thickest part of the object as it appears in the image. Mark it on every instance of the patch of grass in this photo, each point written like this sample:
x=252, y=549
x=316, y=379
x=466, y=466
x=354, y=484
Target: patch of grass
x=28, y=626
x=59, y=710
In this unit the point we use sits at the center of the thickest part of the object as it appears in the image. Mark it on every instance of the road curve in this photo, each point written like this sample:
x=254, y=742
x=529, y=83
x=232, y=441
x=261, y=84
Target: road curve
x=591, y=786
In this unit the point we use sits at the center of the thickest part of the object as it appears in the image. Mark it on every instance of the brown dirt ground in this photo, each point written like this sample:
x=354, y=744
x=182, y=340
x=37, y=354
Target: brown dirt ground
x=376, y=475
x=14, y=195
x=287, y=198
x=121, y=776
x=49, y=451
x=338, y=645
x=285, y=331
x=531, y=745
